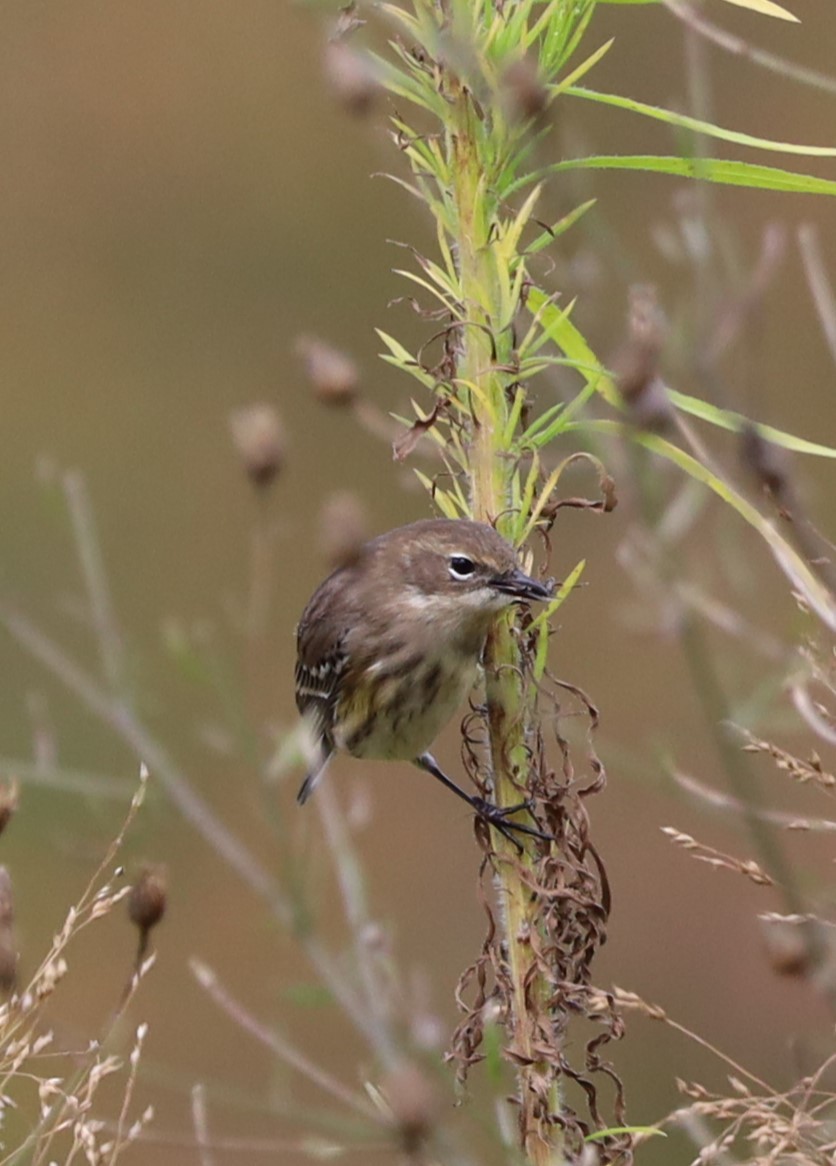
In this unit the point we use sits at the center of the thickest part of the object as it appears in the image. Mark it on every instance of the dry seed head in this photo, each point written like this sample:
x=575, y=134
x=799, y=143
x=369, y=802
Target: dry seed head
x=51, y=976
x=9, y=800
x=343, y=529
x=414, y=1105
x=8, y=946
x=332, y=373
x=258, y=435
x=764, y=460
x=350, y=78
x=525, y=94
x=787, y=944
x=8, y=967
x=637, y=364
x=147, y=900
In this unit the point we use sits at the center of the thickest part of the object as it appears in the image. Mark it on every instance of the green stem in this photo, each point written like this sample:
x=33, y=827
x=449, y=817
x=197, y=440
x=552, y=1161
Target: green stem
x=482, y=351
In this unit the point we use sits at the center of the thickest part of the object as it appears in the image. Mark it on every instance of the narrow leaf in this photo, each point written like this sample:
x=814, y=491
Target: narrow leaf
x=766, y=8
x=707, y=128
x=709, y=169
x=540, y=626
x=736, y=422
x=440, y=497
x=814, y=593
x=581, y=69
x=551, y=233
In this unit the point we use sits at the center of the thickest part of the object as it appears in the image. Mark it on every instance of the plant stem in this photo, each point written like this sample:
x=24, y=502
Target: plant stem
x=485, y=344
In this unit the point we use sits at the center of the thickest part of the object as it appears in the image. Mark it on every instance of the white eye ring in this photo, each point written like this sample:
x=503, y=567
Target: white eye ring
x=461, y=567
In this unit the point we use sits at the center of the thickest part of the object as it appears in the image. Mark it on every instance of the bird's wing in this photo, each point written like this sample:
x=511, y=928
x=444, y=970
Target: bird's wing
x=317, y=688
x=320, y=667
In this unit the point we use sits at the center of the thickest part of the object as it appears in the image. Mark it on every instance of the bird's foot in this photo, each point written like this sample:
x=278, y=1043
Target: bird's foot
x=498, y=817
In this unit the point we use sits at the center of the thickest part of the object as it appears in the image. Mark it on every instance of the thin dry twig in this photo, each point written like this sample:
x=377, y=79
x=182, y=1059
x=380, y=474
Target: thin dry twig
x=698, y=850
x=725, y=803
x=821, y=289
x=278, y=1045
x=200, y=1124
x=739, y=47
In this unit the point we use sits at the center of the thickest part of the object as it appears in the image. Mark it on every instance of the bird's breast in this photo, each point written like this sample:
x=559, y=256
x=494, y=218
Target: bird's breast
x=396, y=714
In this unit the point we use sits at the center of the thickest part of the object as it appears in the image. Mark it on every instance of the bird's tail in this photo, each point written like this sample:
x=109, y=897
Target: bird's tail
x=312, y=780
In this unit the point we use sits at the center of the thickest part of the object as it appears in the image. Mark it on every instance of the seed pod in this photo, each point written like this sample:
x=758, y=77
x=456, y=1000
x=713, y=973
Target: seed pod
x=147, y=900
x=8, y=946
x=636, y=365
x=414, y=1105
x=765, y=460
x=333, y=374
x=350, y=78
x=259, y=438
x=343, y=529
x=526, y=95
x=8, y=803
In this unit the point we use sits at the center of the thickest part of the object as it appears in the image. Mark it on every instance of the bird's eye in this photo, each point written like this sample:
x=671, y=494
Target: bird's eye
x=461, y=567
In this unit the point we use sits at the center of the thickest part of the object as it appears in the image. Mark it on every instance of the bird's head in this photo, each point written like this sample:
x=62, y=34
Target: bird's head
x=455, y=566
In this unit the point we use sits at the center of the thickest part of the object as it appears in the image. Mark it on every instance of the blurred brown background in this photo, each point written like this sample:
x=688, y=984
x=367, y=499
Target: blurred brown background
x=180, y=200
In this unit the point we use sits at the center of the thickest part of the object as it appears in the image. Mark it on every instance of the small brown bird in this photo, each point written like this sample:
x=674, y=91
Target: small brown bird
x=388, y=646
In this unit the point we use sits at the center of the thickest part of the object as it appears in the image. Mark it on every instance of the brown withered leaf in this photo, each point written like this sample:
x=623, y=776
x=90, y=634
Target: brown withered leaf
x=403, y=446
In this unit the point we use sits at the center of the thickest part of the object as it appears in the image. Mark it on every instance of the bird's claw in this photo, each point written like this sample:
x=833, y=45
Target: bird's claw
x=497, y=816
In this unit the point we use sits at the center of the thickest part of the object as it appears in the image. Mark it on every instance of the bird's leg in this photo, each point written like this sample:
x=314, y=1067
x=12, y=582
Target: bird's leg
x=497, y=816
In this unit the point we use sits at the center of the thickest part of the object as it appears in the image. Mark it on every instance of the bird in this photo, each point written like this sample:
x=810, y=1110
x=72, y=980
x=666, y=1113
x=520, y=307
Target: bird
x=388, y=647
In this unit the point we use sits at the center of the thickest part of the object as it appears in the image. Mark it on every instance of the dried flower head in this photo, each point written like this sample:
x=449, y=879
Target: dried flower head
x=332, y=373
x=343, y=528
x=787, y=942
x=9, y=801
x=525, y=94
x=413, y=1103
x=8, y=946
x=765, y=461
x=258, y=435
x=637, y=364
x=351, y=78
x=147, y=900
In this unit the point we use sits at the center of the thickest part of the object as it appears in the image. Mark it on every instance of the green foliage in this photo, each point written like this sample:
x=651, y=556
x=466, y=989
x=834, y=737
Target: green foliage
x=473, y=81
x=483, y=52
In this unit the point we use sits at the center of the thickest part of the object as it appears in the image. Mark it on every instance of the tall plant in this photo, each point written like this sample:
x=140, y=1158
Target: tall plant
x=472, y=82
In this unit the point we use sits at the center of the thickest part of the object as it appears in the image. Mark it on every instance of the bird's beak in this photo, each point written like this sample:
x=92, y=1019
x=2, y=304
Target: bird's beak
x=522, y=587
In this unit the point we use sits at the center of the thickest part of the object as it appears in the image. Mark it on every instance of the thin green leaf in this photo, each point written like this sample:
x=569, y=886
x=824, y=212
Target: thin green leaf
x=551, y=233
x=440, y=497
x=540, y=626
x=709, y=169
x=728, y=419
x=766, y=8
x=613, y=1131
x=509, y=243
x=529, y=488
x=408, y=187
x=396, y=348
x=448, y=300
x=814, y=593
x=682, y=121
x=582, y=69
x=559, y=328
x=514, y=417
x=540, y=423
x=567, y=337
x=545, y=21
x=544, y=496
x=414, y=370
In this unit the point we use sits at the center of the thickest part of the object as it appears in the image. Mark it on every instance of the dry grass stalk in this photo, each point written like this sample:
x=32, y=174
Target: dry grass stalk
x=810, y=771
x=748, y=867
x=63, y=1101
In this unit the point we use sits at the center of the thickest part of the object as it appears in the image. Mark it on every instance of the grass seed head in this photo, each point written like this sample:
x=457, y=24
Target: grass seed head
x=258, y=435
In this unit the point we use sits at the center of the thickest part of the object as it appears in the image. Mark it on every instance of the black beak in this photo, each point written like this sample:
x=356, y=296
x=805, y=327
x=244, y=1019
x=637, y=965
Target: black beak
x=522, y=587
